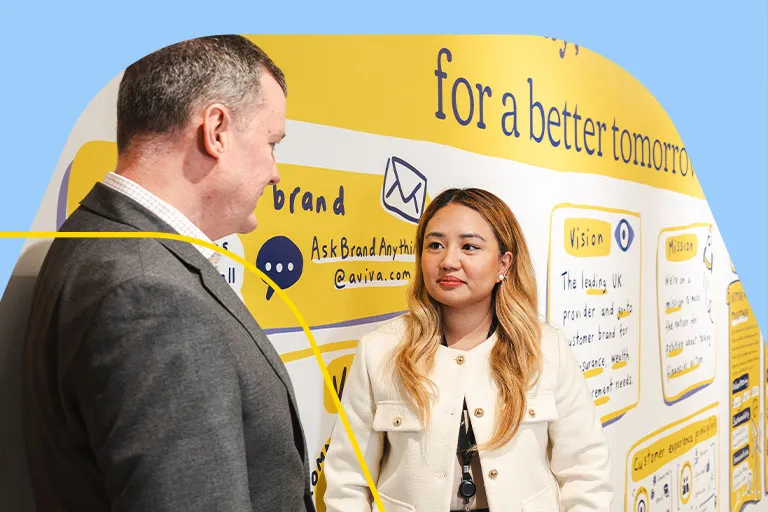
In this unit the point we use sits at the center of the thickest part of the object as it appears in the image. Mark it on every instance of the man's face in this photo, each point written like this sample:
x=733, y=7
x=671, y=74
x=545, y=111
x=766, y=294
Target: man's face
x=250, y=162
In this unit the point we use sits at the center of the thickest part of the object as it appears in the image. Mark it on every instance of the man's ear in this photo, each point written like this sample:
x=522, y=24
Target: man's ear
x=216, y=129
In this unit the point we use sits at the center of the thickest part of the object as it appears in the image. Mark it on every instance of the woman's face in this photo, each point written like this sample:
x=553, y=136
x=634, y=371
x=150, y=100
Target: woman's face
x=461, y=261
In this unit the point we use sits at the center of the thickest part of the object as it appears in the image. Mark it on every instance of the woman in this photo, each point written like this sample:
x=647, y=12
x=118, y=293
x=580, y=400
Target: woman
x=468, y=402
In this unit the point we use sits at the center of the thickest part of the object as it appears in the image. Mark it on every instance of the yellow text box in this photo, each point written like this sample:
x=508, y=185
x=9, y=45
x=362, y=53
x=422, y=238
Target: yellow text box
x=673, y=446
x=587, y=238
x=681, y=247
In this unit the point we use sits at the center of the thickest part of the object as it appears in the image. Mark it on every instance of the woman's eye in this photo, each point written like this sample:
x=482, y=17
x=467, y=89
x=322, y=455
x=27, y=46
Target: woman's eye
x=470, y=247
x=434, y=245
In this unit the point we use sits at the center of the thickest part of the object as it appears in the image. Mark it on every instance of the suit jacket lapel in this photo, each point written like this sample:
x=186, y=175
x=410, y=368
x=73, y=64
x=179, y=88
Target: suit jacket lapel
x=219, y=288
x=120, y=208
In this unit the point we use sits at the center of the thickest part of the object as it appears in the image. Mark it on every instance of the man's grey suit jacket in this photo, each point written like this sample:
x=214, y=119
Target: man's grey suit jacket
x=147, y=384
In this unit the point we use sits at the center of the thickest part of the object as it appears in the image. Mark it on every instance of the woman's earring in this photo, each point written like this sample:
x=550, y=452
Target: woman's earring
x=502, y=277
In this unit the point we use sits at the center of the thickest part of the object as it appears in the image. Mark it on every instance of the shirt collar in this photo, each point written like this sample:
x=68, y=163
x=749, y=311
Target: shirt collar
x=167, y=213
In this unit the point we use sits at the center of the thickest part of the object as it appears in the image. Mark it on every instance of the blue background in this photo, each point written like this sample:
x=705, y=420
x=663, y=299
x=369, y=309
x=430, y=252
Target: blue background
x=705, y=65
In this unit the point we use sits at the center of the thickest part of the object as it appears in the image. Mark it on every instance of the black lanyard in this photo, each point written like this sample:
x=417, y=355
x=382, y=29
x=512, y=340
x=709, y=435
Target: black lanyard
x=466, y=438
x=467, y=487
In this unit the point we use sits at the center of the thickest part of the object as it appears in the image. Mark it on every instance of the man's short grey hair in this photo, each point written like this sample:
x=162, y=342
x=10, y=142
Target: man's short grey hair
x=158, y=93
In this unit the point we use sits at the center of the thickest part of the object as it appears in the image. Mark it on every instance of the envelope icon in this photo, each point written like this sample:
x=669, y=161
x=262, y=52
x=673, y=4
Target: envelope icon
x=405, y=190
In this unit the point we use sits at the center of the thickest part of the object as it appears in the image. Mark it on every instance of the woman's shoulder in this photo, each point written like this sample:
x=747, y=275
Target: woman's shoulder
x=385, y=337
x=549, y=334
x=552, y=343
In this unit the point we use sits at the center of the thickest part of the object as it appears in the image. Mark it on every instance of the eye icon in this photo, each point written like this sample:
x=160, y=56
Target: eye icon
x=624, y=235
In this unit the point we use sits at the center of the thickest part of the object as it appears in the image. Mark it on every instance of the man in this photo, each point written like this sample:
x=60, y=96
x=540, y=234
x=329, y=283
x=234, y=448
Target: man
x=148, y=386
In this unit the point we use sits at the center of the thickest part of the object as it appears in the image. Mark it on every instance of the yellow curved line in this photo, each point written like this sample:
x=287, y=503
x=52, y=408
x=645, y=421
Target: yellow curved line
x=250, y=266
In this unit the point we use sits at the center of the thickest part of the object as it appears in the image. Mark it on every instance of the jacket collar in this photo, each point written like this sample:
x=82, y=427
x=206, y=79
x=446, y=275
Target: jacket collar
x=113, y=205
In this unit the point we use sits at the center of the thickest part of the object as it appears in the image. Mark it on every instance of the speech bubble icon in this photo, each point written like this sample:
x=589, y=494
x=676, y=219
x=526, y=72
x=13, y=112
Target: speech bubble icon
x=281, y=260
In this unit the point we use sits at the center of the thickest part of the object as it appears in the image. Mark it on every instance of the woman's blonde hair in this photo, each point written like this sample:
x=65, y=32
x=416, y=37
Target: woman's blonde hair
x=516, y=357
